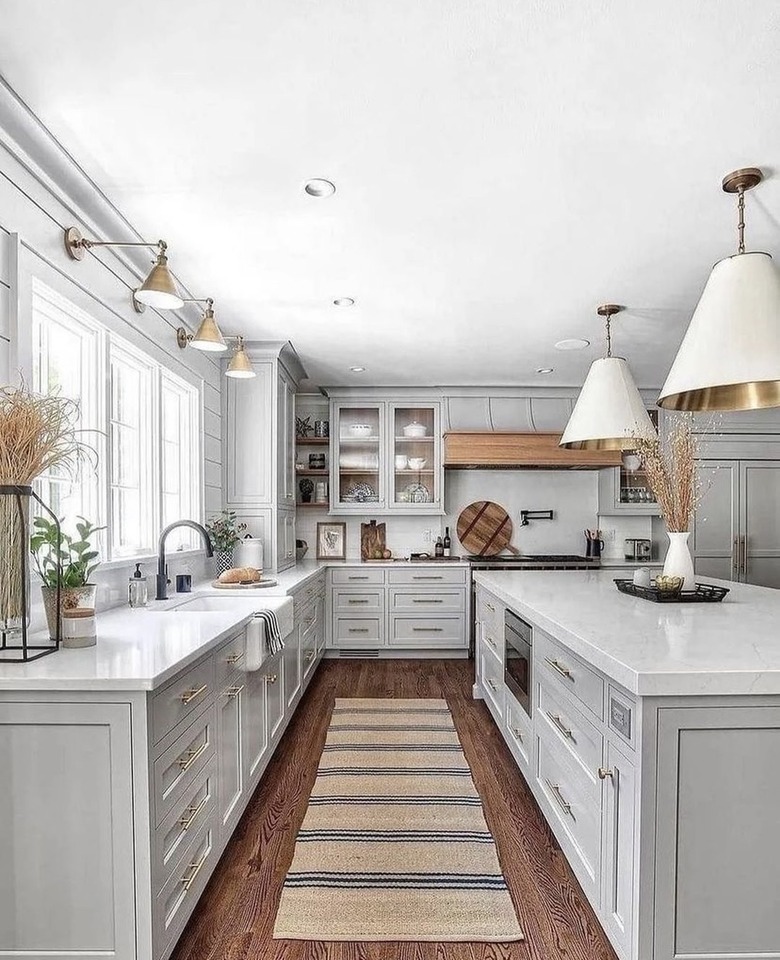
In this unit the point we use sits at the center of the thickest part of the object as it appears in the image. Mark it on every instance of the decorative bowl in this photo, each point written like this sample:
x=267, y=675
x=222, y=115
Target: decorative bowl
x=401, y=461
x=669, y=584
x=361, y=430
x=417, y=463
x=415, y=429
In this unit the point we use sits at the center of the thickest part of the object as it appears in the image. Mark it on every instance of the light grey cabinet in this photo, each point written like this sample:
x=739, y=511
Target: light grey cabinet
x=736, y=532
x=66, y=831
x=230, y=751
x=255, y=720
x=285, y=426
x=618, y=879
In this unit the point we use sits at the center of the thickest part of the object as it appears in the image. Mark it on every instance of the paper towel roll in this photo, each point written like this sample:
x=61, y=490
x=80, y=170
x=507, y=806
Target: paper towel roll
x=256, y=647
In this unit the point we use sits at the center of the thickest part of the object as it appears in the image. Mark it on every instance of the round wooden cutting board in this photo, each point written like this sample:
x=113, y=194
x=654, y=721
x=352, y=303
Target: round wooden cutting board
x=484, y=529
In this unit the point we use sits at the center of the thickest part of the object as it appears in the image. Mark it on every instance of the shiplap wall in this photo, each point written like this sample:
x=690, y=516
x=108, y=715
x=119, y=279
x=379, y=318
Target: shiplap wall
x=34, y=210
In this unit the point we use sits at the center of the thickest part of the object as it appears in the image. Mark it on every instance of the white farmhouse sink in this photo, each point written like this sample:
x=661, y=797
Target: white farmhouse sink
x=215, y=605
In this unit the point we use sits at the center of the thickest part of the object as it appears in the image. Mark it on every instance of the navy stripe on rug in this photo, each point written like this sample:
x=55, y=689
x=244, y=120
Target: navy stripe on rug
x=383, y=710
x=392, y=726
x=395, y=836
x=394, y=881
x=406, y=747
x=394, y=771
x=419, y=801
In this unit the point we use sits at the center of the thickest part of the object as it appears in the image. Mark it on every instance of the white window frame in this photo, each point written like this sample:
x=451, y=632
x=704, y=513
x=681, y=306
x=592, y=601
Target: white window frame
x=113, y=332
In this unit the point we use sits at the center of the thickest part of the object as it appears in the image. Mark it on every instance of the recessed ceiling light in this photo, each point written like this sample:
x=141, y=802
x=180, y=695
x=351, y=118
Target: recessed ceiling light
x=358, y=369
x=319, y=188
x=572, y=343
x=344, y=302
x=544, y=369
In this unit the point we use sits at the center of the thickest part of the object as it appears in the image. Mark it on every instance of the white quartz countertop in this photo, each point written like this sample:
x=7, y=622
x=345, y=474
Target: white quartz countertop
x=653, y=649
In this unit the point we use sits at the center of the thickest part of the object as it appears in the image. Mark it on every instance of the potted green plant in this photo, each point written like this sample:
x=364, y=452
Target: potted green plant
x=68, y=561
x=224, y=532
x=307, y=488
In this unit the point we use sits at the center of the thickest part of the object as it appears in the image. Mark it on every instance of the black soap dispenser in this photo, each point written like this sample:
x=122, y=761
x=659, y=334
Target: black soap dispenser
x=137, y=590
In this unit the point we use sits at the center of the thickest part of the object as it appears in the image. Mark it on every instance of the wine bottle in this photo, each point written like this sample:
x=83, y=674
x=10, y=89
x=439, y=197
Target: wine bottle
x=439, y=549
x=447, y=543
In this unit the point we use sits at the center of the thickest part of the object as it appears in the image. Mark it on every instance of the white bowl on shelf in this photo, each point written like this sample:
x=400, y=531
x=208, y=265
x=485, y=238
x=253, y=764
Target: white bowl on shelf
x=417, y=463
x=359, y=430
x=415, y=429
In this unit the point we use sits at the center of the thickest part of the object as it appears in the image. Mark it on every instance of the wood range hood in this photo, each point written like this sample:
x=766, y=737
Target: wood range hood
x=490, y=450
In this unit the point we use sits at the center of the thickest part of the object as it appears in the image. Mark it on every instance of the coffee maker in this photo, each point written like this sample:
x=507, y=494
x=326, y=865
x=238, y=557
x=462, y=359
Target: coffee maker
x=638, y=550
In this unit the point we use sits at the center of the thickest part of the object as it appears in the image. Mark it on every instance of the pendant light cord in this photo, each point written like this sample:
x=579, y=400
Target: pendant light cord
x=609, y=335
x=741, y=220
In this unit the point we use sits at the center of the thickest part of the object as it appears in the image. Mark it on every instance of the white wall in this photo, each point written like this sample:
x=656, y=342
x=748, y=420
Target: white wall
x=42, y=191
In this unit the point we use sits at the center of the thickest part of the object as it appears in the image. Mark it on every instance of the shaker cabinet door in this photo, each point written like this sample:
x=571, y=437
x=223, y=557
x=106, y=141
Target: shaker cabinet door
x=716, y=525
x=760, y=522
x=617, y=878
x=249, y=422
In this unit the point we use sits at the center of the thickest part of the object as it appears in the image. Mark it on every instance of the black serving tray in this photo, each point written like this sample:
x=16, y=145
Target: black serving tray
x=703, y=593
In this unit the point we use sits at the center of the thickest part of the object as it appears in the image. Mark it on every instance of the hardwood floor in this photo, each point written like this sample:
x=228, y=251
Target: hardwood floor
x=234, y=919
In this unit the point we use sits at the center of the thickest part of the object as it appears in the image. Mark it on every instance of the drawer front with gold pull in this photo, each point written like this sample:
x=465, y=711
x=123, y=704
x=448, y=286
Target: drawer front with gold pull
x=437, y=602
x=568, y=673
x=182, y=697
x=566, y=719
x=184, y=819
x=428, y=631
x=358, y=631
x=175, y=770
x=358, y=602
x=229, y=658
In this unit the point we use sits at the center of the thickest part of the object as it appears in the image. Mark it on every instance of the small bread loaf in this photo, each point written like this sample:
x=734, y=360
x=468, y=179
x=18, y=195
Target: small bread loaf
x=241, y=575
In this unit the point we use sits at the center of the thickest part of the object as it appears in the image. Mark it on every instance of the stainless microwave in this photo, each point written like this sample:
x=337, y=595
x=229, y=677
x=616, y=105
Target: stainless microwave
x=518, y=642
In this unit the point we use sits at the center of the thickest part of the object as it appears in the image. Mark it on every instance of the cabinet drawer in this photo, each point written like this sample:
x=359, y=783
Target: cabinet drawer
x=184, y=820
x=427, y=576
x=175, y=770
x=358, y=631
x=349, y=600
x=354, y=576
x=182, y=697
x=228, y=658
x=571, y=796
x=309, y=653
x=567, y=722
x=518, y=729
x=427, y=631
x=311, y=592
x=489, y=615
x=568, y=673
x=177, y=898
x=492, y=674
x=422, y=601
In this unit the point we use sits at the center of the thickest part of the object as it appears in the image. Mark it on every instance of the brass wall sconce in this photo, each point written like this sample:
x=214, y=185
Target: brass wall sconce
x=209, y=338
x=158, y=290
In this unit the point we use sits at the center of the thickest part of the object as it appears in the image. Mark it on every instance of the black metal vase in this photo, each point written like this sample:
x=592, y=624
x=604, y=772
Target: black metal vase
x=15, y=645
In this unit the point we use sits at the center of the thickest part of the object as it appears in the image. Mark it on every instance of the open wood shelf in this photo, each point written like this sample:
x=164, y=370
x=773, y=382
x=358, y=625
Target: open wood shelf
x=311, y=441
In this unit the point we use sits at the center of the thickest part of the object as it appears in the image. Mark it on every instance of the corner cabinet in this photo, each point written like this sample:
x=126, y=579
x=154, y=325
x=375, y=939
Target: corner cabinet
x=386, y=457
x=259, y=450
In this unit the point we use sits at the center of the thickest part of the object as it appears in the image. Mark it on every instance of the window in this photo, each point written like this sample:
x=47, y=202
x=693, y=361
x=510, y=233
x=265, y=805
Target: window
x=143, y=424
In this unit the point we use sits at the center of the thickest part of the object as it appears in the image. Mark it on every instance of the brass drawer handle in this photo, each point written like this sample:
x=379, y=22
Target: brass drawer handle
x=309, y=657
x=429, y=600
x=271, y=678
x=192, y=755
x=358, y=630
x=556, y=721
x=426, y=577
x=605, y=772
x=195, y=867
x=192, y=813
x=357, y=601
x=235, y=658
x=189, y=695
x=490, y=607
x=566, y=807
x=427, y=629
x=564, y=671
x=492, y=685
x=516, y=734
x=357, y=578
x=233, y=692
x=492, y=642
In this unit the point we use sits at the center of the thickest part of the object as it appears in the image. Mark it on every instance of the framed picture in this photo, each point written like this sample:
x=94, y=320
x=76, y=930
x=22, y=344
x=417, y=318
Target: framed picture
x=331, y=541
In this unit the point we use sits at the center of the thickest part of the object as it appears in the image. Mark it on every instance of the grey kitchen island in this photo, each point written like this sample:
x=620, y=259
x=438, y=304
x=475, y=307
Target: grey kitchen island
x=651, y=742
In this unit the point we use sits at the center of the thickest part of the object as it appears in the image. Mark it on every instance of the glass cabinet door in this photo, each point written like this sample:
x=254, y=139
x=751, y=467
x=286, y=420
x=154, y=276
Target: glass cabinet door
x=357, y=461
x=415, y=457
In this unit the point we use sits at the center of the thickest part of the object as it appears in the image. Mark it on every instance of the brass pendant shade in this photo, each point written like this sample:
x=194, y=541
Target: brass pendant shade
x=159, y=289
x=240, y=366
x=208, y=336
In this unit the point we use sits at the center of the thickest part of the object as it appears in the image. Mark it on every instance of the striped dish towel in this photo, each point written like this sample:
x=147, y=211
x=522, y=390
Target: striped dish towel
x=273, y=635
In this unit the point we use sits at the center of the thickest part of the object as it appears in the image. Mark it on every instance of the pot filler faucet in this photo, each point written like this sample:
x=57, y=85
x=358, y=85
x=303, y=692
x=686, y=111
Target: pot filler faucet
x=162, y=572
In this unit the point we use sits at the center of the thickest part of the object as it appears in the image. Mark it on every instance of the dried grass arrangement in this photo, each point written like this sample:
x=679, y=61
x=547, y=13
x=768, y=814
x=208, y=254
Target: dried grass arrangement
x=37, y=434
x=670, y=468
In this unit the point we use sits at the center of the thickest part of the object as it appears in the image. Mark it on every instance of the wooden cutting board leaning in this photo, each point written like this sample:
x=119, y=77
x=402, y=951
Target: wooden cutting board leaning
x=484, y=529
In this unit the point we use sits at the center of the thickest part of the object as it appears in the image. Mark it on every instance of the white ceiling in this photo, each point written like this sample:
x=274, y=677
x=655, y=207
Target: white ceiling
x=502, y=167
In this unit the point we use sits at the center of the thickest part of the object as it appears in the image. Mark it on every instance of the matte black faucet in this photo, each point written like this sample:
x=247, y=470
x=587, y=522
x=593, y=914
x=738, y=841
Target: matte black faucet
x=162, y=575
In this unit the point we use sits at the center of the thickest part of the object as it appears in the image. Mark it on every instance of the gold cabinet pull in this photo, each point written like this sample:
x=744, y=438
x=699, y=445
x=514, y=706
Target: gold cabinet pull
x=516, y=734
x=492, y=642
x=605, y=772
x=427, y=600
x=490, y=607
x=358, y=630
x=196, y=868
x=353, y=601
x=357, y=578
x=492, y=685
x=191, y=813
x=271, y=678
x=235, y=657
x=187, y=761
x=556, y=792
x=189, y=695
x=427, y=629
x=233, y=692
x=557, y=722
x=564, y=671
x=309, y=657
x=427, y=577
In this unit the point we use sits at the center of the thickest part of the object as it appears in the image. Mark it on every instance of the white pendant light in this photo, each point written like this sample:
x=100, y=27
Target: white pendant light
x=730, y=356
x=609, y=413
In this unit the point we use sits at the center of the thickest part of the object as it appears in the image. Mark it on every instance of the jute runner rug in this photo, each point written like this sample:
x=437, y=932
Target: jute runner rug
x=394, y=844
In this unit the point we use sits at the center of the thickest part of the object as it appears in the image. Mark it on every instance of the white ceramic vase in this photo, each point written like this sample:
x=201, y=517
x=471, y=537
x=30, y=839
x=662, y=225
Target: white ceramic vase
x=679, y=562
